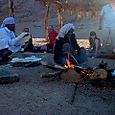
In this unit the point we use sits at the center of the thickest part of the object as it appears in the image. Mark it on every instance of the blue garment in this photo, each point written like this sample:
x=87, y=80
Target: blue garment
x=80, y=58
x=8, y=40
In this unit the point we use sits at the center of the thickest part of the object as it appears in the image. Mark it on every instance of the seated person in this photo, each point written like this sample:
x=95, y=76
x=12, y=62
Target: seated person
x=49, y=46
x=66, y=44
x=9, y=43
x=95, y=44
x=52, y=37
x=28, y=46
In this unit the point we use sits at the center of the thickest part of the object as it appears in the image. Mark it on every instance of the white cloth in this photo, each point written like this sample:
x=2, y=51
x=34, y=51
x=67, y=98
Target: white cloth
x=108, y=16
x=108, y=25
x=8, y=20
x=64, y=30
x=109, y=37
x=23, y=38
x=8, y=40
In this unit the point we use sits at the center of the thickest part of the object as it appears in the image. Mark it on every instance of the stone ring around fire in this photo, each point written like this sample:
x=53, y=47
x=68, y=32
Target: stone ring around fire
x=99, y=74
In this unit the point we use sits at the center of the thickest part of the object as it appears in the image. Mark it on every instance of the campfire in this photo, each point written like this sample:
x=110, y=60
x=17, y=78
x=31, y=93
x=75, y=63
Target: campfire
x=68, y=63
x=66, y=72
x=70, y=74
x=76, y=74
x=90, y=73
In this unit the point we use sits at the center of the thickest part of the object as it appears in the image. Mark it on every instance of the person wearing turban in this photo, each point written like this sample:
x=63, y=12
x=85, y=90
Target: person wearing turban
x=9, y=43
x=66, y=44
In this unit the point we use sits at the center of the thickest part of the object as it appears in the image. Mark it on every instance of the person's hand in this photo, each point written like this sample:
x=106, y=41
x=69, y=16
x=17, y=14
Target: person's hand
x=22, y=49
x=76, y=52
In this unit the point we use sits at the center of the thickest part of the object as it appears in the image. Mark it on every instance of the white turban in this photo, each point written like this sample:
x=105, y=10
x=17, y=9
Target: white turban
x=64, y=30
x=8, y=20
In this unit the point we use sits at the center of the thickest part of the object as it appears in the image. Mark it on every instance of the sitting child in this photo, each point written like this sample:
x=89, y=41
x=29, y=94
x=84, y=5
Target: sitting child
x=28, y=46
x=47, y=47
x=95, y=44
x=52, y=36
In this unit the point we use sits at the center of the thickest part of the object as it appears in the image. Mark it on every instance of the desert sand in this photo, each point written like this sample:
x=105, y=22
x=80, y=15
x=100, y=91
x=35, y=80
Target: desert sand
x=34, y=95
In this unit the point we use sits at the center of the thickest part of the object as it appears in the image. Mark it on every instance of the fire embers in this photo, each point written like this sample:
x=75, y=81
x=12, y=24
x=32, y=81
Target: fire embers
x=92, y=73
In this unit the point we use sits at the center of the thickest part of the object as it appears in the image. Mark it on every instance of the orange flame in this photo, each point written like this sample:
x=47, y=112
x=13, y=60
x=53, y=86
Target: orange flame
x=68, y=62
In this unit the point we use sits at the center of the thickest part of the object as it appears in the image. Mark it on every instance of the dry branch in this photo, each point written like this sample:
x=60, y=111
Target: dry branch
x=54, y=67
x=49, y=75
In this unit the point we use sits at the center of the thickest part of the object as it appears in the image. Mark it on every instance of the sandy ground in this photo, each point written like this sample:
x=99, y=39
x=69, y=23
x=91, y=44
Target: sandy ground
x=33, y=95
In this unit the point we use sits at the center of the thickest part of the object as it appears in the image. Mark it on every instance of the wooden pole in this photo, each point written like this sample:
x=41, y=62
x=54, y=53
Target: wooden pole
x=46, y=22
x=60, y=19
x=11, y=8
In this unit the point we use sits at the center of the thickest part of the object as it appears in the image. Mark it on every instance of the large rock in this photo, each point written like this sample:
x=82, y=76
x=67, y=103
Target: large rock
x=8, y=77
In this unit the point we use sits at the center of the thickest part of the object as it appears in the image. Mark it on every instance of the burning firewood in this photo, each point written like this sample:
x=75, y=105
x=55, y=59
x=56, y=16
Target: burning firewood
x=92, y=73
x=72, y=72
x=65, y=73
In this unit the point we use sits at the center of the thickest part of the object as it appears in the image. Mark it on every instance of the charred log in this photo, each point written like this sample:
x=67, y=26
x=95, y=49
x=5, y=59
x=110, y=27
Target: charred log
x=50, y=75
x=54, y=67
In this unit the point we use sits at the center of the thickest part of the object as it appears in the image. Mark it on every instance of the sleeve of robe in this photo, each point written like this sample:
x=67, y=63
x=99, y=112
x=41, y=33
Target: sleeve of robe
x=74, y=43
x=58, y=51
